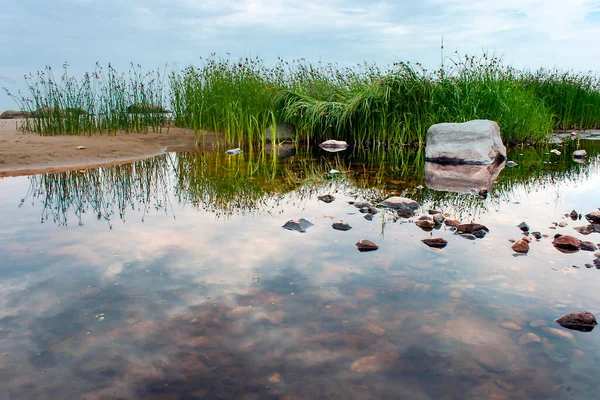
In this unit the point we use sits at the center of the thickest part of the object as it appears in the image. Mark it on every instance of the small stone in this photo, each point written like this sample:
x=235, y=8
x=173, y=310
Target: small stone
x=483, y=193
x=366, y=245
x=333, y=145
x=362, y=204
x=433, y=212
x=327, y=198
x=529, y=338
x=585, y=230
x=364, y=210
x=396, y=203
x=405, y=213
x=522, y=246
x=580, y=320
x=438, y=243
x=511, y=164
x=554, y=151
x=425, y=225
x=593, y=217
x=470, y=228
x=536, y=235
x=80, y=147
x=341, y=226
x=523, y=226
x=452, y=222
x=588, y=246
x=566, y=242
x=573, y=214
x=589, y=265
x=298, y=225
x=468, y=236
x=562, y=224
x=233, y=152
x=275, y=378
x=368, y=217
x=510, y=326
x=425, y=218
x=579, y=154
x=373, y=210
x=480, y=234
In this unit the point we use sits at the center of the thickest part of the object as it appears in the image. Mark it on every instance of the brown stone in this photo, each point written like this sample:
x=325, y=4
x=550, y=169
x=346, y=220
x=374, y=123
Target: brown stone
x=588, y=246
x=12, y=114
x=438, y=243
x=522, y=246
x=452, y=222
x=566, y=242
x=366, y=245
x=327, y=198
x=375, y=330
x=470, y=228
x=585, y=230
x=425, y=225
x=593, y=217
x=579, y=320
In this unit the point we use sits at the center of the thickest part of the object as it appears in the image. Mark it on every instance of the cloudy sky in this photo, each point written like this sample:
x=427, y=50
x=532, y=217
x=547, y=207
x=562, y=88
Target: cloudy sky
x=527, y=33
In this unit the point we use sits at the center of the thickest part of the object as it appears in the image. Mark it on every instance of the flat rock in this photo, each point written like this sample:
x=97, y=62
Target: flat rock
x=579, y=154
x=468, y=236
x=438, y=243
x=366, y=245
x=566, y=242
x=585, y=230
x=521, y=246
x=341, y=226
x=588, y=246
x=580, y=320
x=362, y=204
x=298, y=225
x=425, y=218
x=470, y=228
x=529, y=338
x=327, y=198
x=397, y=202
x=560, y=333
x=452, y=222
x=475, y=142
x=593, y=217
x=80, y=147
x=376, y=330
x=425, y=225
x=333, y=145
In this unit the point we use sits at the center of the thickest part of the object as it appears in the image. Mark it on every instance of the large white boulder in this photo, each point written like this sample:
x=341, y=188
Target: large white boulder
x=475, y=142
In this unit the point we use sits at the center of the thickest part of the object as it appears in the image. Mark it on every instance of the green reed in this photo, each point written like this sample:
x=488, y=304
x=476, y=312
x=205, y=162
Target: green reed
x=100, y=102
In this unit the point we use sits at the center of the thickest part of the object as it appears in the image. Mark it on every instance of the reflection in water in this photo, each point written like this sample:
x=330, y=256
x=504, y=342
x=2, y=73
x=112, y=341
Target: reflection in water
x=461, y=178
x=203, y=307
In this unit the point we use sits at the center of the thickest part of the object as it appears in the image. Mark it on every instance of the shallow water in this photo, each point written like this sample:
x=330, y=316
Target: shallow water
x=172, y=278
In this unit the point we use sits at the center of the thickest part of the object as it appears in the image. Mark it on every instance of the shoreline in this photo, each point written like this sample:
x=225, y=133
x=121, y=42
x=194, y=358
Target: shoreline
x=29, y=153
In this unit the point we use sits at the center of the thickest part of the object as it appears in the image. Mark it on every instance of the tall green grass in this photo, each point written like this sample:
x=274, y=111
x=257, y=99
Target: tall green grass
x=100, y=102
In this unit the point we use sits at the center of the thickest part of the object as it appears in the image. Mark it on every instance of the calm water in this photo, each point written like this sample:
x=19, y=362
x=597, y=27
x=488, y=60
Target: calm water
x=172, y=278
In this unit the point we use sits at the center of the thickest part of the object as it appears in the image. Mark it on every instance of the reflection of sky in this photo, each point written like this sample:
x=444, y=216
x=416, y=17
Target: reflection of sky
x=239, y=306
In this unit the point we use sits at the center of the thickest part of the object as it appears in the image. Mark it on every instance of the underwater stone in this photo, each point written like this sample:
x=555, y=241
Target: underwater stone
x=298, y=225
x=438, y=243
x=341, y=226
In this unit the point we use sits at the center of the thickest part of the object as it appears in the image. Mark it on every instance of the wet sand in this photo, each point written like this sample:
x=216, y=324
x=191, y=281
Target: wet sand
x=30, y=153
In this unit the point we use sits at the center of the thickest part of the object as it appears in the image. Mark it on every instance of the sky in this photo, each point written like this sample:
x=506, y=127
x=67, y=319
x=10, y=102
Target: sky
x=176, y=33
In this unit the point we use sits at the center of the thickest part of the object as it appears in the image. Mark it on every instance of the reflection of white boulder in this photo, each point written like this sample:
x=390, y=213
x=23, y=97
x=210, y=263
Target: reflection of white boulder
x=475, y=142
x=461, y=178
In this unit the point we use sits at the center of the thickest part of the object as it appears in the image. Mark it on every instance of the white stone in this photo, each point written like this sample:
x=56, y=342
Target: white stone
x=579, y=153
x=333, y=145
x=233, y=152
x=475, y=142
x=80, y=147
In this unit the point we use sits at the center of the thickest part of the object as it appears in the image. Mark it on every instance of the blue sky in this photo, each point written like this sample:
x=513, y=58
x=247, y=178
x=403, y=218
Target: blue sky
x=527, y=33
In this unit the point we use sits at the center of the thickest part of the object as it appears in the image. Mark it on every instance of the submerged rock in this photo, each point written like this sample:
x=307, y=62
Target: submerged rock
x=327, y=198
x=579, y=154
x=583, y=321
x=425, y=224
x=475, y=142
x=585, y=230
x=341, y=226
x=438, y=243
x=588, y=246
x=366, y=245
x=537, y=235
x=566, y=242
x=523, y=226
x=593, y=217
x=333, y=145
x=233, y=152
x=522, y=246
x=298, y=225
x=405, y=213
x=397, y=203
x=529, y=338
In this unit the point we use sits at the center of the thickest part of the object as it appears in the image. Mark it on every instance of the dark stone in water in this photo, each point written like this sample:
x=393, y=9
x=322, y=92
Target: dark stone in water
x=366, y=245
x=573, y=214
x=452, y=222
x=341, y=226
x=438, y=243
x=483, y=193
x=468, y=236
x=405, y=212
x=593, y=217
x=438, y=218
x=470, y=228
x=511, y=164
x=368, y=217
x=298, y=225
x=327, y=198
x=522, y=246
x=425, y=218
x=373, y=210
x=536, y=235
x=364, y=210
x=523, y=226
x=362, y=204
x=582, y=321
x=480, y=234
x=425, y=225
x=566, y=243
x=588, y=246
x=585, y=230
x=433, y=212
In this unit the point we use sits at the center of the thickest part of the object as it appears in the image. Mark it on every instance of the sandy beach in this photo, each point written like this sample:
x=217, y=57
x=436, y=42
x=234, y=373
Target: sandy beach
x=30, y=153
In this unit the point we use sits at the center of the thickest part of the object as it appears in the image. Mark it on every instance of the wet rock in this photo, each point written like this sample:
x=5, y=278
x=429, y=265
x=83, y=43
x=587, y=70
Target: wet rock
x=333, y=145
x=510, y=326
x=588, y=246
x=362, y=204
x=373, y=363
x=368, y=217
x=589, y=265
x=562, y=224
x=593, y=217
x=438, y=243
x=523, y=226
x=585, y=230
x=364, y=210
x=475, y=142
x=405, y=213
x=511, y=164
x=327, y=198
x=397, y=203
x=483, y=193
x=233, y=152
x=452, y=222
x=579, y=154
x=583, y=321
x=560, y=333
x=433, y=212
x=366, y=245
x=522, y=246
x=480, y=234
x=425, y=225
x=373, y=210
x=425, y=218
x=468, y=236
x=341, y=226
x=566, y=242
x=438, y=218
x=536, y=235
x=281, y=133
x=573, y=214
x=298, y=225
x=529, y=338
x=470, y=228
